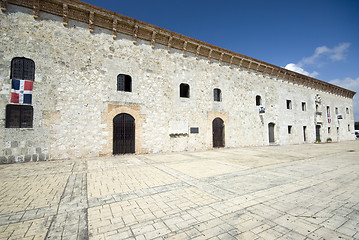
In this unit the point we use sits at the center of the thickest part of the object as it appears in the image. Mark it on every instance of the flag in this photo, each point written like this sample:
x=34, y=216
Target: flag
x=329, y=118
x=21, y=91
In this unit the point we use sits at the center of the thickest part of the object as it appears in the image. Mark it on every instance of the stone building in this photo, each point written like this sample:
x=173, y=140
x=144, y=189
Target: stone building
x=80, y=81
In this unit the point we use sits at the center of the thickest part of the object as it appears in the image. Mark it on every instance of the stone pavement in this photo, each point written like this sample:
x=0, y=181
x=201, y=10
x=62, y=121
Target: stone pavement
x=279, y=192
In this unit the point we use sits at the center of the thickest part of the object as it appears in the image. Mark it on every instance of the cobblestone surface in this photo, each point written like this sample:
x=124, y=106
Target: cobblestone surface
x=280, y=192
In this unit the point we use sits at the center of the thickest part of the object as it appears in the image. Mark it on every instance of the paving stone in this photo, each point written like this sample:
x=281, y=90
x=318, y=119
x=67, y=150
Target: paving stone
x=159, y=196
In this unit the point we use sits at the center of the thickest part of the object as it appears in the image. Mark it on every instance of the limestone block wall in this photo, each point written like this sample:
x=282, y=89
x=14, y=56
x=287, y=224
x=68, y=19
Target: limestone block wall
x=75, y=95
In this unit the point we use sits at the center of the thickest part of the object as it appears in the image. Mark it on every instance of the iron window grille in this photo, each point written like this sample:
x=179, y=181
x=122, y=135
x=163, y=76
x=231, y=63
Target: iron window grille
x=19, y=116
x=22, y=69
x=124, y=83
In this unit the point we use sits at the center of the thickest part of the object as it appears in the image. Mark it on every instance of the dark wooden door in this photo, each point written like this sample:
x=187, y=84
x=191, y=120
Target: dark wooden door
x=271, y=132
x=218, y=133
x=123, y=134
x=317, y=132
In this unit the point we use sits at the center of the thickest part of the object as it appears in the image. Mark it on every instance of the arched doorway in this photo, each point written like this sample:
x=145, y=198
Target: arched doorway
x=271, y=132
x=123, y=134
x=218, y=133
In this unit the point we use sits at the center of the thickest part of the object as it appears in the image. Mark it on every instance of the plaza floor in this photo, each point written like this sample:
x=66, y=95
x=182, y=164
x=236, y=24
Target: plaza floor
x=306, y=191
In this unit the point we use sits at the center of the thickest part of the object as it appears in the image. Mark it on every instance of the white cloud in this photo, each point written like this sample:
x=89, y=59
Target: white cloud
x=322, y=54
x=348, y=83
x=295, y=68
x=339, y=53
x=351, y=84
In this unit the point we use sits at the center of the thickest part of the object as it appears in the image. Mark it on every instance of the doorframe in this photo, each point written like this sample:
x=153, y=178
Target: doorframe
x=107, y=121
x=209, y=135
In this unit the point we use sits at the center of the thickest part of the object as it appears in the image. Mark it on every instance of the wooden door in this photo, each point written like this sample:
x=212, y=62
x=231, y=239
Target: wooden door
x=123, y=134
x=218, y=133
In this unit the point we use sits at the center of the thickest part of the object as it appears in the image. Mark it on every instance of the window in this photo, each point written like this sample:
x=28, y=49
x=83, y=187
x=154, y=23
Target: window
x=184, y=90
x=328, y=130
x=289, y=129
x=19, y=116
x=22, y=69
x=347, y=110
x=348, y=127
x=22, y=75
x=289, y=104
x=124, y=83
x=304, y=106
x=336, y=110
x=258, y=100
x=217, y=95
x=328, y=112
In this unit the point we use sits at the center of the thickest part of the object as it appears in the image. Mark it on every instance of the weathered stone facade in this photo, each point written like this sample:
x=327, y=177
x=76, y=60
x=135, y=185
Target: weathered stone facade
x=75, y=96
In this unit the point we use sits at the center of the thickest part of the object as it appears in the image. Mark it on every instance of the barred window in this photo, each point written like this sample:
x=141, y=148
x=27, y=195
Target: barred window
x=124, y=83
x=217, y=95
x=22, y=69
x=19, y=116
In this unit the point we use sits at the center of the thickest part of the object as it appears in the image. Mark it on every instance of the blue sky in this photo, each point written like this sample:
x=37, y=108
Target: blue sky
x=319, y=38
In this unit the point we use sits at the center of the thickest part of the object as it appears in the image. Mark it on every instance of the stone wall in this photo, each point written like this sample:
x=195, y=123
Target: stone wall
x=75, y=95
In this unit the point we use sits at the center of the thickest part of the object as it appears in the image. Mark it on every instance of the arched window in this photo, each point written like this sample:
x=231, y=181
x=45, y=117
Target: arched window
x=217, y=94
x=124, y=83
x=258, y=100
x=184, y=90
x=22, y=69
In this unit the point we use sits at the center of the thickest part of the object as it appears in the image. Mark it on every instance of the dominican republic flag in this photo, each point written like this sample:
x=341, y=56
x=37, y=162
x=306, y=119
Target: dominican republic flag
x=329, y=118
x=21, y=91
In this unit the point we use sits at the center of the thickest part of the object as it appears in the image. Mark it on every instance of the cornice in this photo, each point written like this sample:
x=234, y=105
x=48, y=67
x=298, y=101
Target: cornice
x=117, y=23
